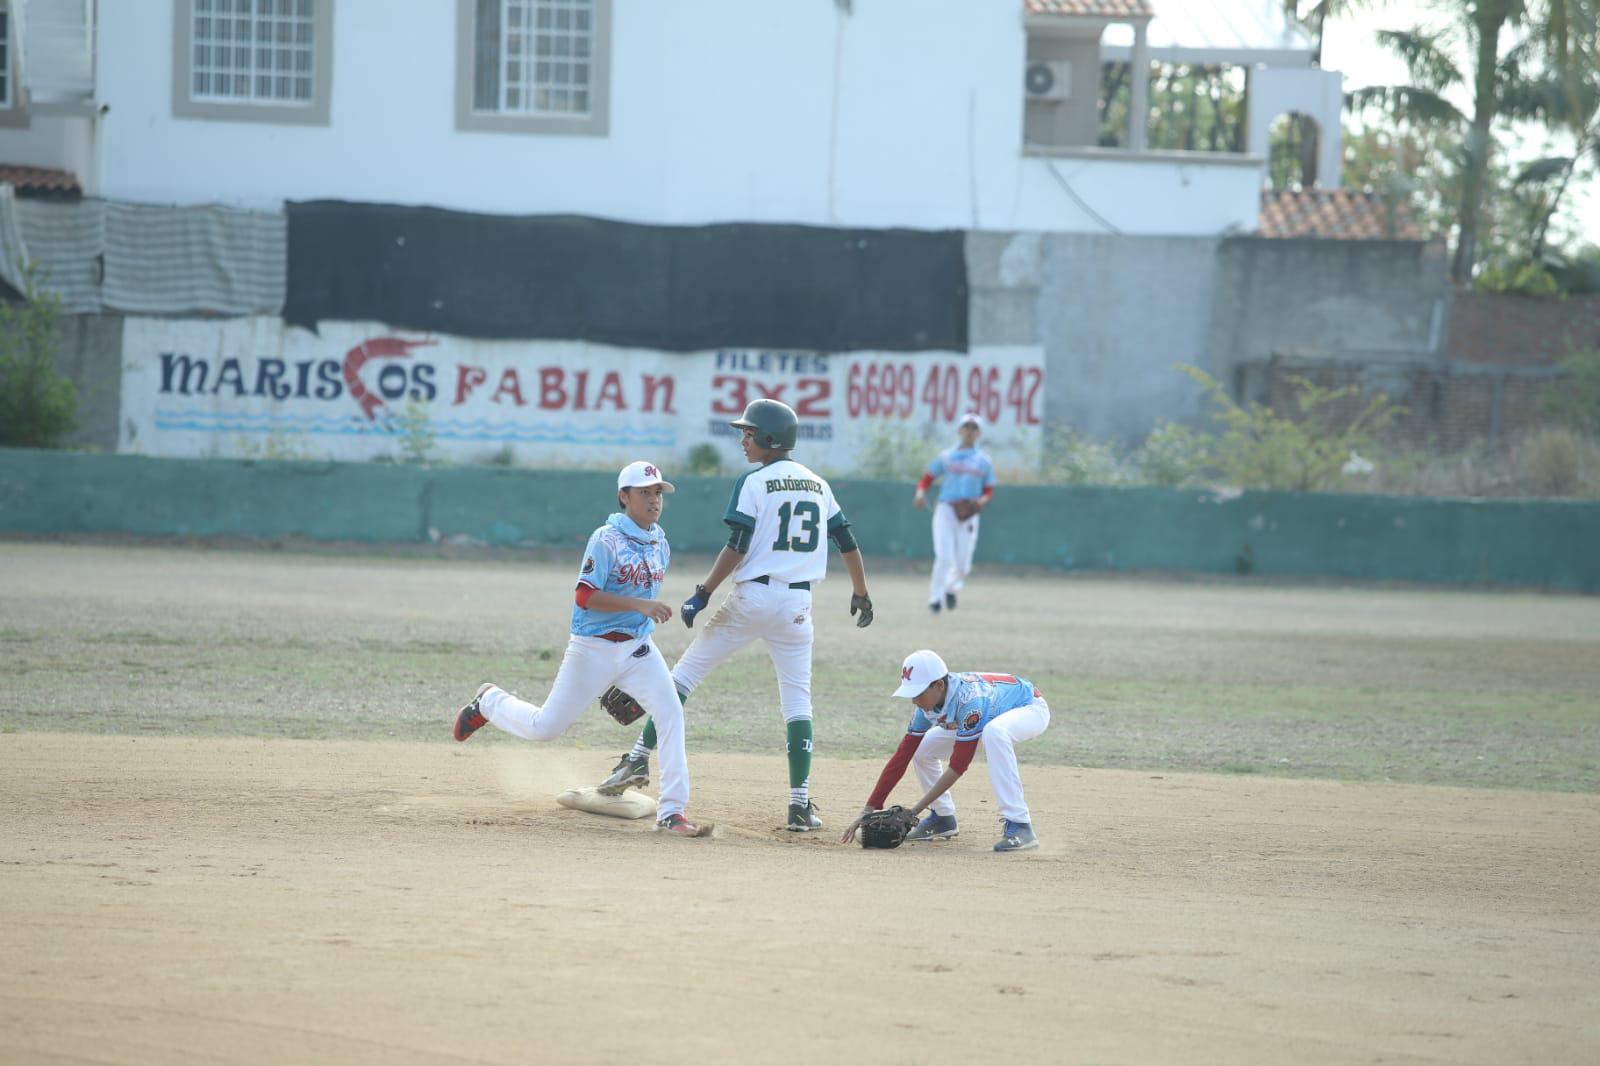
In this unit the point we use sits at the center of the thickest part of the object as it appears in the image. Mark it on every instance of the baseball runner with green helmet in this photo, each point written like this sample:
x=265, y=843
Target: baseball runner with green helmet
x=779, y=517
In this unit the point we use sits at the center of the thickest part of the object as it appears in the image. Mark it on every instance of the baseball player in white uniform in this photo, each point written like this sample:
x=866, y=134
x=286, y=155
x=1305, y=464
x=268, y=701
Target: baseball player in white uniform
x=966, y=488
x=953, y=714
x=613, y=614
x=780, y=518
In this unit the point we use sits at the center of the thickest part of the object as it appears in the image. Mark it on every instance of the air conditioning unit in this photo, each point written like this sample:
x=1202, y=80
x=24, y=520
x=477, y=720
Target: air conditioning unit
x=1049, y=80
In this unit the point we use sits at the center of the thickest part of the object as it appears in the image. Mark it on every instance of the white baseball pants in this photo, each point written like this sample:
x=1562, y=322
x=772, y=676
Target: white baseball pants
x=591, y=666
x=953, y=544
x=999, y=743
x=778, y=615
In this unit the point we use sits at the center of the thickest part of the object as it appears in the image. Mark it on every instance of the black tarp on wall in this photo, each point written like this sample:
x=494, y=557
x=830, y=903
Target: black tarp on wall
x=671, y=288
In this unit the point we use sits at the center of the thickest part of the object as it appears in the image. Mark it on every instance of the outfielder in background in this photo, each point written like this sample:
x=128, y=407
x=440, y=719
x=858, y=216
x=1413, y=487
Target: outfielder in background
x=953, y=714
x=780, y=517
x=966, y=488
x=613, y=614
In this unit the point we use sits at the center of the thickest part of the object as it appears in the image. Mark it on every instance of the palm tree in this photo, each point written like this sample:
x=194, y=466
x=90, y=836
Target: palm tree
x=1553, y=57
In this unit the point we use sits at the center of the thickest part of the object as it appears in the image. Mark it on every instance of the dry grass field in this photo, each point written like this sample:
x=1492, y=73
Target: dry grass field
x=1280, y=824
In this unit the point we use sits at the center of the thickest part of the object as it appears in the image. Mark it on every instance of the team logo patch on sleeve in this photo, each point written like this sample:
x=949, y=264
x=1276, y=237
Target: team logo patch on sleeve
x=588, y=565
x=970, y=720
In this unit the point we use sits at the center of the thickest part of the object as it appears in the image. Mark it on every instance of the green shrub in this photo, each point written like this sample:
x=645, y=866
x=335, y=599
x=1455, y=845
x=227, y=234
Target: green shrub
x=1575, y=399
x=413, y=430
x=1174, y=455
x=37, y=404
x=894, y=453
x=1071, y=460
x=1519, y=279
x=704, y=459
x=1261, y=449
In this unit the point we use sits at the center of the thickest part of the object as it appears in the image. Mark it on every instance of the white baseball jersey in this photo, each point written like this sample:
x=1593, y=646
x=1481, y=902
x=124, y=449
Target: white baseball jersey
x=789, y=511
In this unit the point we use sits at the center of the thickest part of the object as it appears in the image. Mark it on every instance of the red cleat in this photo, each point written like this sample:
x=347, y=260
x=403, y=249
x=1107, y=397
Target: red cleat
x=677, y=823
x=470, y=720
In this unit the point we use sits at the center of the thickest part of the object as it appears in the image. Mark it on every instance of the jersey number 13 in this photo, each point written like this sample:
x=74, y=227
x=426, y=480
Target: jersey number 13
x=807, y=516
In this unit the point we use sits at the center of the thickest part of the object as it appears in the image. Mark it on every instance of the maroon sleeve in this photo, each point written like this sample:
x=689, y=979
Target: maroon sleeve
x=961, y=755
x=581, y=596
x=894, y=770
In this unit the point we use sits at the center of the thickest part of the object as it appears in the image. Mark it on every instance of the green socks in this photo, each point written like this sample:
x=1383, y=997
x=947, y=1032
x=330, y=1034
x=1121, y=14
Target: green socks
x=799, y=748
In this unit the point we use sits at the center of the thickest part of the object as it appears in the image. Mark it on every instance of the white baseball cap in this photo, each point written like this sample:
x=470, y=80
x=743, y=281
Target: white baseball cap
x=637, y=475
x=921, y=669
x=971, y=418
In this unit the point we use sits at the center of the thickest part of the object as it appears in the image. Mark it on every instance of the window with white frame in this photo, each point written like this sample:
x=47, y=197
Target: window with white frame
x=13, y=94
x=256, y=60
x=534, y=65
x=6, y=66
x=253, y=50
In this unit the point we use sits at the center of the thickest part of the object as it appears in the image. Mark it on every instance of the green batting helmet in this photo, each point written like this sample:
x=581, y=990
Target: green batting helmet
x=774, y=423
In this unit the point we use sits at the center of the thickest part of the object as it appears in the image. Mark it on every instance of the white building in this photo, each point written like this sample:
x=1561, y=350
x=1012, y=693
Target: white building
x=871, y=113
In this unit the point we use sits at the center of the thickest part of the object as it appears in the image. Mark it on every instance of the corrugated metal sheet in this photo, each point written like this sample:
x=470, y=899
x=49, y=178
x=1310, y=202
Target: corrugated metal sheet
x=106, y=256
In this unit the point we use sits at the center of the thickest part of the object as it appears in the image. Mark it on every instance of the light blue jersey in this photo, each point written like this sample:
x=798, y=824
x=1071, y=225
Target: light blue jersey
x=623, y=559
x=966, y=473
x=972, y=701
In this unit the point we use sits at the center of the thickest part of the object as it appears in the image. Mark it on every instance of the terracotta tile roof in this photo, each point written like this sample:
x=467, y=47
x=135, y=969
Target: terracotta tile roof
x=40, y=180
x=1335, y=214
x=1094, y=8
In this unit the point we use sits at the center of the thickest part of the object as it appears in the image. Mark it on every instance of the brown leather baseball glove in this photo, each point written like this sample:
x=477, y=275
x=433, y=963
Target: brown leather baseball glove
x=965, y=509
x=621, y=706
x=886, y=829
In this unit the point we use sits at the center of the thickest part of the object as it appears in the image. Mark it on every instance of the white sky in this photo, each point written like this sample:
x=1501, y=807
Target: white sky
x=1349, y=46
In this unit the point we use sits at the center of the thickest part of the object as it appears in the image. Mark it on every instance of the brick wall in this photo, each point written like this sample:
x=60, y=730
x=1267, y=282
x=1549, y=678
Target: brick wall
x=1501, y=354
x=1448, y=406
x=1490, y=327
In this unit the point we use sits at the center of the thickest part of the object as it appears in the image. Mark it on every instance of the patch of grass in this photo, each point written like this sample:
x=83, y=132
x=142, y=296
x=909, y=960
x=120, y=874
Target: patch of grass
x=1424, y=686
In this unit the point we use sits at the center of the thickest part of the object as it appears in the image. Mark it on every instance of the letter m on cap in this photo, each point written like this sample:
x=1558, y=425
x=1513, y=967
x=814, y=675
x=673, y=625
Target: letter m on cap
x=905, y=673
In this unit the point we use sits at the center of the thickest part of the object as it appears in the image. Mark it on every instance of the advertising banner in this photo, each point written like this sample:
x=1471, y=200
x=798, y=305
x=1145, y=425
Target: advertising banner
x=253, y=387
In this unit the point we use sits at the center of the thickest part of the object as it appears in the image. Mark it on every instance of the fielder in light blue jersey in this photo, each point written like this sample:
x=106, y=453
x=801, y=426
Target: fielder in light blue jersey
x=953, y=714
x=615, y=609
x=966, y=485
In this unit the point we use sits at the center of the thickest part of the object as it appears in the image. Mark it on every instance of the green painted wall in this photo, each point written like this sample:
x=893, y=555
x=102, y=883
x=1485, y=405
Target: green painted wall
x=1549, y=543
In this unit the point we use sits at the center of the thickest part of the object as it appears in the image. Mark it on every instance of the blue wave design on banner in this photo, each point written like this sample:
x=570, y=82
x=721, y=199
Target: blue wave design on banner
x=478, y=429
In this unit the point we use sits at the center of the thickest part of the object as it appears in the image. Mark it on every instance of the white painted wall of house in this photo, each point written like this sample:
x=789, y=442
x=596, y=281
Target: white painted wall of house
x=903, y=113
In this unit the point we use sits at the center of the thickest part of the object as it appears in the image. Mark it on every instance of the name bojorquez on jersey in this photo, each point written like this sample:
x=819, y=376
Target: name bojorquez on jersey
x=789, y=511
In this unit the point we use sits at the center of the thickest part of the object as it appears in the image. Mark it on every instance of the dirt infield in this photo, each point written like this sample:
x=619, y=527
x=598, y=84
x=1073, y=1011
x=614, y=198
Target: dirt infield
x=233, y=828
x=183, y=900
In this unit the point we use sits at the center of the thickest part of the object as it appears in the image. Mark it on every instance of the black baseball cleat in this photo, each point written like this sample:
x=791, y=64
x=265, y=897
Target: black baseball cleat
x=949, y=601
x=803, y=819
x=470, y=719
x=628, y=773
x=934, y=606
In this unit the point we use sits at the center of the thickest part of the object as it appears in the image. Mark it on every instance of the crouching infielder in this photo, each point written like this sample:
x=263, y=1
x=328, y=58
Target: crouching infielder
x=954, y=712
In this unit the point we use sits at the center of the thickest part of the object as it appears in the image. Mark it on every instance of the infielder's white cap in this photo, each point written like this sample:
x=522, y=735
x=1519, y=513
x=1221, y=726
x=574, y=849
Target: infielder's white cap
x=971, y=418
x=921, y=669
x=639, y=474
